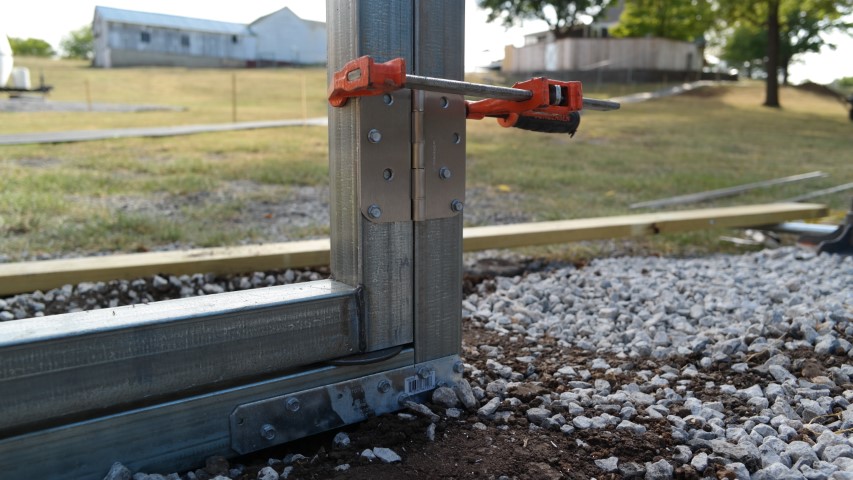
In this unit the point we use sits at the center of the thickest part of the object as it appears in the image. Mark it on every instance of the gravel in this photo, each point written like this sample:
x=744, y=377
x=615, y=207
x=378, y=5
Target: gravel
x=765, y=316
x=745, y=360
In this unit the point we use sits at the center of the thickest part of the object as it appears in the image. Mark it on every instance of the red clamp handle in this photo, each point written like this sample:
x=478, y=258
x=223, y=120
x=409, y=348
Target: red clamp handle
x=552, y=101
x=364, y=77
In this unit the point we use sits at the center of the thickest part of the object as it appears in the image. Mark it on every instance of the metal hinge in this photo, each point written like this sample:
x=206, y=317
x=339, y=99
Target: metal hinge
x=438, y=155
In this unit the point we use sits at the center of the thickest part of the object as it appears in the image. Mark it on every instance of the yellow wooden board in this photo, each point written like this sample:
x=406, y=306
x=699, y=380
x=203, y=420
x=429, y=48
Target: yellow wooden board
x=44, y=275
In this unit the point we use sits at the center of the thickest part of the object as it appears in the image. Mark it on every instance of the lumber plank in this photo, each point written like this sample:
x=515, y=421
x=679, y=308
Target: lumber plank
x=47, y=274
x=563, y=231
x=42, y=275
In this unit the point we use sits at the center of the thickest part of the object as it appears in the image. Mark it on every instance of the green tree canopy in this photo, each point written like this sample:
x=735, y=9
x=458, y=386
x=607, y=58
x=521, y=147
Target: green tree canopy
x=799, y=32
x=34, y=47
x=560, y=15
x=676, y=19
x=79, y=43
x=800, y=21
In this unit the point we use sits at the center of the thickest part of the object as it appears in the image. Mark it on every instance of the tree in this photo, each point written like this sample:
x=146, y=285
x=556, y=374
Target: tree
x=685, y=20
x=79, y=43
x=34, y=47
x=560, y=15
x=764, y=15
x=799, y=32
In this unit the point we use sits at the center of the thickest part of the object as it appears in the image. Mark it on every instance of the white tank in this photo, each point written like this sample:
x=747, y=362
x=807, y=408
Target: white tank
x=21, y=78
x=6, y=62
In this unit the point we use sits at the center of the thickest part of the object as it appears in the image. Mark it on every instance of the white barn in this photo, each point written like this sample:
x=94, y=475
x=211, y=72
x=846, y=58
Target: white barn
x=124, y=38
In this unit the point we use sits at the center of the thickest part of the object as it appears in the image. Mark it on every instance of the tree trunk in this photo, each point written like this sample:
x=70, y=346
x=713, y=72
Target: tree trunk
x=771, y=98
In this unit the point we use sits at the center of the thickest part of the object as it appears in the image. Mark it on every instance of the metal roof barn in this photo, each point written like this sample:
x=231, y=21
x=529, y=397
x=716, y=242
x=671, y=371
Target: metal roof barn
x=125, y=38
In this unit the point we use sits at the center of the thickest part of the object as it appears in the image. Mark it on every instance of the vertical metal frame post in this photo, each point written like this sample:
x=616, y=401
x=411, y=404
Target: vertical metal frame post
x=397, y=166
x=372, y=251
x=439, y=52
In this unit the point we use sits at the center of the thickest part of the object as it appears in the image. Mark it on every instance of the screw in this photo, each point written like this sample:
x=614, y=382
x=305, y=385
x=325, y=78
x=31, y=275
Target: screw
x=388, y=99
x=388, y=174
x=268, y=431
x=384, y=386
x=374, y=136
x=423, y=372
x=374, y=211
x=444, y=173
x=444, y=102
x=293, y=404
x=458, y=367
x=456, y=206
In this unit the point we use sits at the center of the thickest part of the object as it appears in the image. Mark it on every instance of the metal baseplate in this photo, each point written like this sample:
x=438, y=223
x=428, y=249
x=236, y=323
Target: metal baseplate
x=175, y=435
x=284, y=418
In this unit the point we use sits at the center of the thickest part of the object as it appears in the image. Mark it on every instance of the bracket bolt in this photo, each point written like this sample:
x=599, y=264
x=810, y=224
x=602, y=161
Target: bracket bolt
x=293, y=404
x=444, y=173
x=384, y=386
x=374, y=136
x=374, y=211
x=458, y=367
x=423, y=372
x=267, y=431
x=456, y=206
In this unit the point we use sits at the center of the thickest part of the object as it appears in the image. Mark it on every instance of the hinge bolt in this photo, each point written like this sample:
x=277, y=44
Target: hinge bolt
x=384, y=386
x=456, y=206
x=444, y=173
x=268, y=431
x=374, y=211
x=293, y=404
x=374, y=136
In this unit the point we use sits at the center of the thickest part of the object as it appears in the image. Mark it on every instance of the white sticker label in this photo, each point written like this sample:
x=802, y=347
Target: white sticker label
x=416, y=384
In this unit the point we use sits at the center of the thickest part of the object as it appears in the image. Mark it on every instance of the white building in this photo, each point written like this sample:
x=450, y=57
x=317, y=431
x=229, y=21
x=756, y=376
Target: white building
x=125, y=38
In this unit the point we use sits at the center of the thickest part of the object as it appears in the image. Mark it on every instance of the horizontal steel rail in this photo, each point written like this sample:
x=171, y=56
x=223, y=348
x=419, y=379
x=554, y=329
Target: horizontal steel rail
x=79, y=365
x=167, y=437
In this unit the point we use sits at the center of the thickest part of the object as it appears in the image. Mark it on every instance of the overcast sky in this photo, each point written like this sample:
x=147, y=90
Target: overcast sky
x=50, y=20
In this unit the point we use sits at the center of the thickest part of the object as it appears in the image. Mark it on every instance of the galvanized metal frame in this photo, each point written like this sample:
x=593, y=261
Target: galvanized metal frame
x=161, y=386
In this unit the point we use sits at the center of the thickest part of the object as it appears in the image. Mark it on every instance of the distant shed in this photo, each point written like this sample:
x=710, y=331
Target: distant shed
x=125, y=38
x=284, y=38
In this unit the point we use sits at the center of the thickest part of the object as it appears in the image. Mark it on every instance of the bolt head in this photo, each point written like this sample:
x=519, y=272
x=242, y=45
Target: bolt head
x=374, y=136
x=267, y=431
x=384, y=386
x=444, y=173
x=293, y=404
x=457, y=206
x=459, y=367
x=423, y=372
x=374, y=211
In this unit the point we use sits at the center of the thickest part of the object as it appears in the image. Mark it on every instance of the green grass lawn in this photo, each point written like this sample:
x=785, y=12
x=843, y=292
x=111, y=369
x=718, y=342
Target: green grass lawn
x=80, y=197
